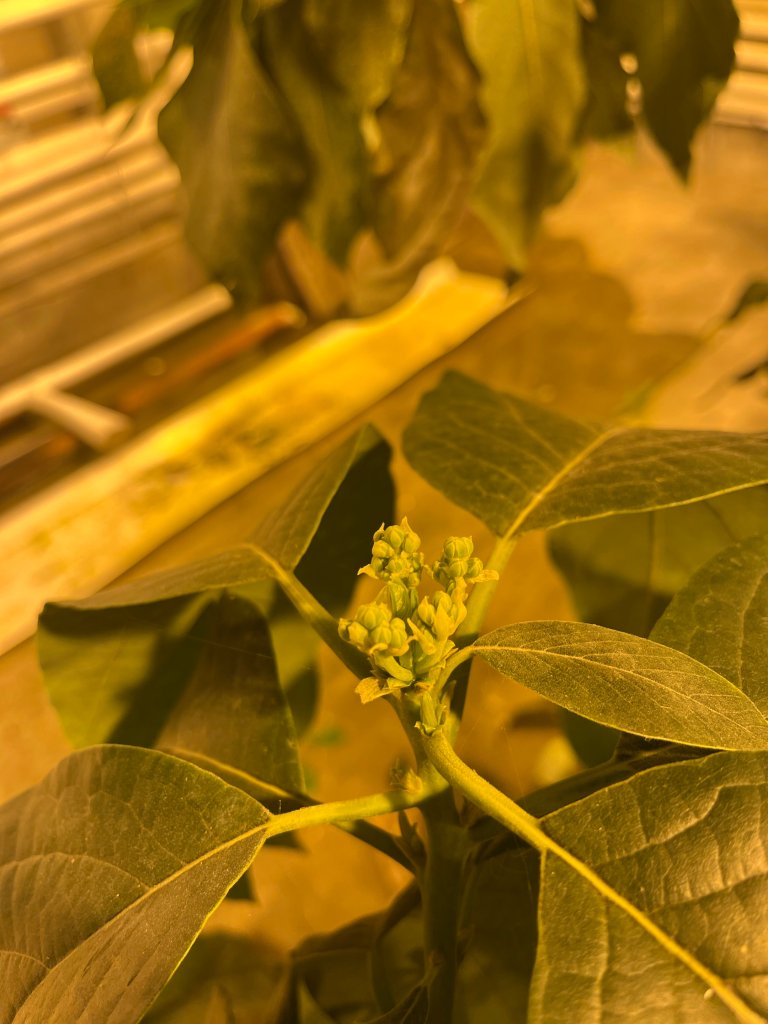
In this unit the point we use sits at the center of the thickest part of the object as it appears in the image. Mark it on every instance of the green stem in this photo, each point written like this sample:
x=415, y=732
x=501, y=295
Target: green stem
x=343, y=810
x=489, y=799
x=321, y=620
x=443, y=878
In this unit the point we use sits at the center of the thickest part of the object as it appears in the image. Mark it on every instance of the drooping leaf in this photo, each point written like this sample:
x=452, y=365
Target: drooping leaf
x=429, y=132
x=622, y=571
x=241, y=157
x=233, y=708
x=721, y=617
x=328, y=119
x=115, y=663
x=684, y=53
x=110, y=867
x=668, y=921
x=626, y=682
x=360, y=45
x=606, y=110
x=221, y=973
x=529, y=57
x=519, y=467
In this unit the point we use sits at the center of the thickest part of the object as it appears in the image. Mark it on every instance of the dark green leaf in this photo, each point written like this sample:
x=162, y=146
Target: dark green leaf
x=529, y=57
x=670, y=926
x=328, y=120
x=592, y=743
x=606, y=113
x=519, y=467
x=684, y=52
x=241, y=157
x=429, y=134
x=110, y=868
x=721, y=617
x=163, y=13
x=361, y=45
x=623, y=570
x=229, y=971
x=233, y=709
x=626, y=682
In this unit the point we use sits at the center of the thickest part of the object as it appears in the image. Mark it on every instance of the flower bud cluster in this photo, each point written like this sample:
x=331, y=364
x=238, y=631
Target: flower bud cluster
x=408, y=637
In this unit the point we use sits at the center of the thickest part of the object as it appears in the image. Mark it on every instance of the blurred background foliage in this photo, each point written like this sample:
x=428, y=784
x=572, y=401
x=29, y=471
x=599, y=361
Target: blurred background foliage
x=362, y=139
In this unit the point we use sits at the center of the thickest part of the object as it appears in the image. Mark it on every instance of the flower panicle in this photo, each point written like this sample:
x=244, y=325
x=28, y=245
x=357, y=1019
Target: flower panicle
x=407, y=636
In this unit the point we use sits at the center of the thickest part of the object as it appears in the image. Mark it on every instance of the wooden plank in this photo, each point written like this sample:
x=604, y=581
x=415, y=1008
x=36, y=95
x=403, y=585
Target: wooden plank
x=85, y=531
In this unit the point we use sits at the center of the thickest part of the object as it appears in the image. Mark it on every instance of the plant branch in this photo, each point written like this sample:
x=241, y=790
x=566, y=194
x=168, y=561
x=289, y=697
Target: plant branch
x=319, y=618
x=344, y=810
x=489, y=799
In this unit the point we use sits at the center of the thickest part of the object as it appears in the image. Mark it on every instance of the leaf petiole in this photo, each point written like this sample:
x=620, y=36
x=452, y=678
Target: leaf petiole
x=340, y=811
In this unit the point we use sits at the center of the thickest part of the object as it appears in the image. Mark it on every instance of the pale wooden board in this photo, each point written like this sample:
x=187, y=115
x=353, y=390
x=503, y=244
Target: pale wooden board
x=82, y=533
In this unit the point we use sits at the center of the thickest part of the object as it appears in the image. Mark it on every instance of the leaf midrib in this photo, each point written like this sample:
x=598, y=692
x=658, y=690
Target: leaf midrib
x=480, y=649
x=150, y=891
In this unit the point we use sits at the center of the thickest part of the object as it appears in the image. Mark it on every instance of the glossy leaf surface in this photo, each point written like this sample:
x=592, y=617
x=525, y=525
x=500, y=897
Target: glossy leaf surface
x=519, y=467
x=674, y=928
x=626, y=682
x=110, y=867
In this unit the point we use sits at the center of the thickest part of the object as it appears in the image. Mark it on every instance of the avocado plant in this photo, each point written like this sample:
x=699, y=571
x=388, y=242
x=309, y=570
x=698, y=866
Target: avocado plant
x=636, y=890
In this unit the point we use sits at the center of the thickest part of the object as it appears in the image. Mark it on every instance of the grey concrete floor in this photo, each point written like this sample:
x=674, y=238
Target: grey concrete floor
x=628, y=273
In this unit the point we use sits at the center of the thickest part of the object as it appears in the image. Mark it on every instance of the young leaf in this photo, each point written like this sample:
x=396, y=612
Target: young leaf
x=721, y=617
x=519, y=467
x=241, y=157
x=684, y=55
x=626, y=682
x=623, y=570
x=667, y=921
x=110, y=867
x=529, y=56
x=233, y=709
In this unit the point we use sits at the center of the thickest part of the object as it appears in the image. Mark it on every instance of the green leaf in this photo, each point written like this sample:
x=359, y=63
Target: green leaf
x=721, y=617
x=626, y=682
x=110, y=868
x=114, y=674
x=518, y=467
x=225, y=974
x=429, y=132
x=233, y=708
x=606, y=113
x=155, y=14
x=241, y=157
x=667, y=923
x=529, y=56
x=361, y=45
x=115, y=663
x=328, y=120
x=622, y=571
x=684, y=52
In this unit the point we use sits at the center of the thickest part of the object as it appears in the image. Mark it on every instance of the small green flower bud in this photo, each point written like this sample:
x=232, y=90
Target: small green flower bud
x=457, y=547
